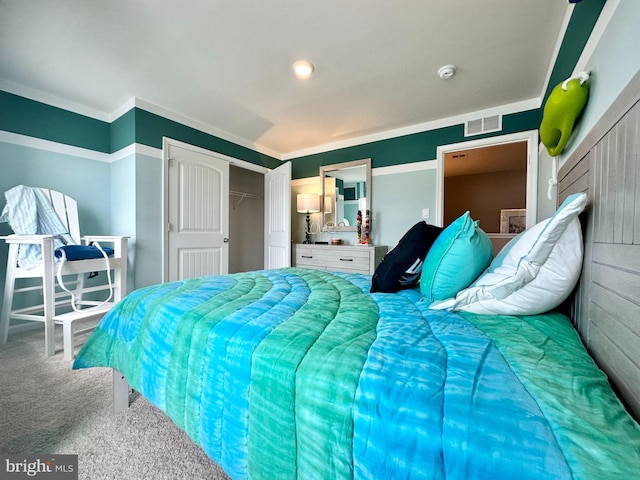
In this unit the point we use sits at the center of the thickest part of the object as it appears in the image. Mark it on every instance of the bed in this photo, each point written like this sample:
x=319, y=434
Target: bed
x=296, y=373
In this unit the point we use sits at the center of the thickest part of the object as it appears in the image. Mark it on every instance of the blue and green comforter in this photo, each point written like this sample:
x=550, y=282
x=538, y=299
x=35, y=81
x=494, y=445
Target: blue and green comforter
x=295, y=373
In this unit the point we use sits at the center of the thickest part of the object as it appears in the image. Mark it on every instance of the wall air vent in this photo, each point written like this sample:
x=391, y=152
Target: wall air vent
x=483, y=125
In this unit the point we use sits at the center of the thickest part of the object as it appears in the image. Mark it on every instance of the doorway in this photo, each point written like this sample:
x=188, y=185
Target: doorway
x=485, y=181
x=492, y=178
x=246, y=219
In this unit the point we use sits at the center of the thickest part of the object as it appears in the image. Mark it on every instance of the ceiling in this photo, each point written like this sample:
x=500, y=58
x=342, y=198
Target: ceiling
x=489, y=159
x=226, y=65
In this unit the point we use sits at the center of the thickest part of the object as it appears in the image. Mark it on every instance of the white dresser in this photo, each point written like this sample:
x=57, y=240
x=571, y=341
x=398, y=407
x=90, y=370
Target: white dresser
x=340, y=258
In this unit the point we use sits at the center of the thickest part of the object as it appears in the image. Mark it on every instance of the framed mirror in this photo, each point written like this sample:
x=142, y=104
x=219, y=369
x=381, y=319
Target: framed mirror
x=345, y=189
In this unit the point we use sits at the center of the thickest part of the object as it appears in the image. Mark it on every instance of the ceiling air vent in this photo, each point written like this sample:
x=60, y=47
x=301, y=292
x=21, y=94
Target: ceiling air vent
x=483, y=125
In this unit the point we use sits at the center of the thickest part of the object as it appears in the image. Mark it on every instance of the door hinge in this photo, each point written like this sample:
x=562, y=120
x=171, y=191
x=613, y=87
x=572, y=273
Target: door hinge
x=172, y=162
x=169, y=227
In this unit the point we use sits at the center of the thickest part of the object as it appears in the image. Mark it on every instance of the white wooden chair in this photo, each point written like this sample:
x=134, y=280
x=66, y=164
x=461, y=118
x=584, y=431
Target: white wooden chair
x=55, y=306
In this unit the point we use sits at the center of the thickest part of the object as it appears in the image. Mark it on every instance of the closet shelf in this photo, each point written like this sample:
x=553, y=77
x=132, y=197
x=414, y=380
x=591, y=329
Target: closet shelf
x=242, y=196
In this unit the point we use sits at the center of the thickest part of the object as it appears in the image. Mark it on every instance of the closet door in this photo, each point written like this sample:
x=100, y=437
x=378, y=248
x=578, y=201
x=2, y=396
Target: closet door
x=197, y=212
x=277, y=223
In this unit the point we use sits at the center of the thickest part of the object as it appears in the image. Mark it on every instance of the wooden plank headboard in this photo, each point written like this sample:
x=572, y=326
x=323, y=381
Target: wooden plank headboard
x=606, y=306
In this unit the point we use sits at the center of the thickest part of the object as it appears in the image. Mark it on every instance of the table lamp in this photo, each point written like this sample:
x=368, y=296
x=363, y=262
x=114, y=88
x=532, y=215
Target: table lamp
x=308, y=203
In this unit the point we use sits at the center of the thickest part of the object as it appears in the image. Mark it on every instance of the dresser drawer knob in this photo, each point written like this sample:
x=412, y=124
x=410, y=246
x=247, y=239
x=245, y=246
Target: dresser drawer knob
x=346, y=259
x=306, y=256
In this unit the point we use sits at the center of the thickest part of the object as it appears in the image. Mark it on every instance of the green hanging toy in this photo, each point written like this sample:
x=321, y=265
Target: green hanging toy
x=564, y=105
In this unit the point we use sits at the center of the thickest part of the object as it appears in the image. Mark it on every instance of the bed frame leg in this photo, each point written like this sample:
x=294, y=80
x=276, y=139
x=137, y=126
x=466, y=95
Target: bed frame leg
x=120, y=392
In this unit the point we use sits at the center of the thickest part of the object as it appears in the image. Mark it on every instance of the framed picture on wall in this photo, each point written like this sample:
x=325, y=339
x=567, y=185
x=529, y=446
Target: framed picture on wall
x=513, y=220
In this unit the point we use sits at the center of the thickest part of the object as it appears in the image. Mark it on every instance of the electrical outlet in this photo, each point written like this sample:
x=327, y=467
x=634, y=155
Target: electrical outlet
x=425, y=213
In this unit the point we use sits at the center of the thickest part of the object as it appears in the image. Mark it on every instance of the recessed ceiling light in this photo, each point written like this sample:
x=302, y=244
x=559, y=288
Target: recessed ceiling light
x=447, y=71
x=303, y=68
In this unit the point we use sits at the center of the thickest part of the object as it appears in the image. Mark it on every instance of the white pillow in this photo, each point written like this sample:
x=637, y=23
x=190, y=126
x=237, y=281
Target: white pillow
x=534, y=273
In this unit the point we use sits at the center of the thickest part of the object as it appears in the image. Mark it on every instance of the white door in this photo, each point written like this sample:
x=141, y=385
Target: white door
x=196, y=212
x=277, y=222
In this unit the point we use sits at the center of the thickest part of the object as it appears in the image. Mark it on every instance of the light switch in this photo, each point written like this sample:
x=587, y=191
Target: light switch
x=425, y=213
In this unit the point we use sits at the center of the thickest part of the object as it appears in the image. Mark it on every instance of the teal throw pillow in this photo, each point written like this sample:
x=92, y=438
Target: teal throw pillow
x=534, y=273
x=457, y=257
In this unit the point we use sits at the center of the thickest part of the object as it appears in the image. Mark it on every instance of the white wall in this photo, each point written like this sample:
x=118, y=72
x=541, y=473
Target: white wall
x=148, y=224
x=298, y=220
x=398, y=200
x=613, y=63
x=37, y=163
x=546, y=207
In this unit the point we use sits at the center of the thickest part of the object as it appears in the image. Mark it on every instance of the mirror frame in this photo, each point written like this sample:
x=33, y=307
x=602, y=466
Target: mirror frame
x=324, y=170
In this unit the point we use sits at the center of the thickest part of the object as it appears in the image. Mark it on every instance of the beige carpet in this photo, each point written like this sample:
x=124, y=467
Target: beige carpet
x=45, y=407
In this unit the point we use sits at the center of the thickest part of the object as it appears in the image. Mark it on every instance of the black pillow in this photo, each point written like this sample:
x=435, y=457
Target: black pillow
x=401, y=267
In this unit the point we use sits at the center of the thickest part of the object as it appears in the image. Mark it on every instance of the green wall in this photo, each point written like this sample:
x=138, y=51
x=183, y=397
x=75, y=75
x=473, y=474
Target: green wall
x=123, y=131
x=35, y=119
x=38, y=120
x=408, y=148
x=150, y=128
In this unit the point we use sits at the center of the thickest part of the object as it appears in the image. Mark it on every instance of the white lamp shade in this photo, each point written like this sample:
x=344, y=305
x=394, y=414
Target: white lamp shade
x=308, y=203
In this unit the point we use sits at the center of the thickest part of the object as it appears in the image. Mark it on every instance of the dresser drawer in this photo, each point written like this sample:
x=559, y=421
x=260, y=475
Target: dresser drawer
x=344, y=258
x=357, y=259
x=309, y=259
